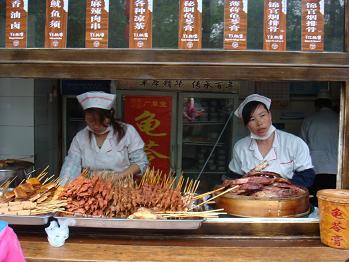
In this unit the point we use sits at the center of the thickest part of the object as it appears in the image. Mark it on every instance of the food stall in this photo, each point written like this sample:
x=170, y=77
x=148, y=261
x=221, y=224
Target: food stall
x=224, y=238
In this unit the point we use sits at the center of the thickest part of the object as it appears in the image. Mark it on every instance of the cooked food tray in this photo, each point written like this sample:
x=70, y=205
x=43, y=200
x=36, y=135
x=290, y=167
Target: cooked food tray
x=25, y=220
x=131, y=223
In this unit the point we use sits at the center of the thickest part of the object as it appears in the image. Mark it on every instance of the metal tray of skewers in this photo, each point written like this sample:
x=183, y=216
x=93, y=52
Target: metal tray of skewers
x=168, y=224
x=25, y=220
x=32, y=202
x=100, y=201
x=158, y=201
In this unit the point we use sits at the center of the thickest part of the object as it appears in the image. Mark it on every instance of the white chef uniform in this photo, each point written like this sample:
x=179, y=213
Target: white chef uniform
x=321, y=131
x=288, y=154
x=113, y=155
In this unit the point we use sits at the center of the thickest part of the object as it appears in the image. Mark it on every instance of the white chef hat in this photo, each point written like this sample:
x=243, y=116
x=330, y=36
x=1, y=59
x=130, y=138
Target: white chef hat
x=96, y=99
x=254, y=97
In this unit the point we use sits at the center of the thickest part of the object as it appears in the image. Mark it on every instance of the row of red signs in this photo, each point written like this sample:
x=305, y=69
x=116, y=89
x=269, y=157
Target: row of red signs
x=190, y=24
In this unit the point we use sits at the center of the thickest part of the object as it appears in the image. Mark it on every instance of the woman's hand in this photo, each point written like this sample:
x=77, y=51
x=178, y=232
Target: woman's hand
x=133, y=170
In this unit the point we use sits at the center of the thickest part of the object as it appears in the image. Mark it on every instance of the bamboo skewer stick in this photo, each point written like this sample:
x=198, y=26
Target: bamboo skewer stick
x=197, y=186
x=48, y=179
x=3, y=184
x=22, y=181
x=176, y=212
x=42, y=173
x=186, y=185
x=209, y=200
x=189, y=186
x=208, y=193
x=29, y=175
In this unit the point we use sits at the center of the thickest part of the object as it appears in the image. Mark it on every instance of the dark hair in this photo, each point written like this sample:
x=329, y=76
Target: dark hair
x=323, y=102
x=103, y=114
x=249, y=109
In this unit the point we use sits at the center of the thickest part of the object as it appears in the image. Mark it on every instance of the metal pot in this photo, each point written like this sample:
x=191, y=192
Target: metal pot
x=17, y=170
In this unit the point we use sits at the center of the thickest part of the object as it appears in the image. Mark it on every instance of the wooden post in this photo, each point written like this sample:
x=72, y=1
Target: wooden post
x=343, y=181
x=346, y=26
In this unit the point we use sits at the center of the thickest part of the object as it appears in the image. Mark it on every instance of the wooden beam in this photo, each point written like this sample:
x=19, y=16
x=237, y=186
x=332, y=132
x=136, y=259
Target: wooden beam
x=183, y=249
x=152, y=72
x=170, y=56
x=346, y=26
x=173, y=64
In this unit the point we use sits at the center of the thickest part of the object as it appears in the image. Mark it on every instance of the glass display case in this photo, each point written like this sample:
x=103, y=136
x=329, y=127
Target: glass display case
x=206, y=135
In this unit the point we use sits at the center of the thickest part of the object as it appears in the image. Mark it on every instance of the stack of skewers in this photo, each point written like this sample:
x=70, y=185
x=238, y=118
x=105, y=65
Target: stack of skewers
x=33, y=196
x=158, y=195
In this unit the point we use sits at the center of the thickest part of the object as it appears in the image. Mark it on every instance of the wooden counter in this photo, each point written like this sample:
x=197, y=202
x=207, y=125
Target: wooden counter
x=114, y=247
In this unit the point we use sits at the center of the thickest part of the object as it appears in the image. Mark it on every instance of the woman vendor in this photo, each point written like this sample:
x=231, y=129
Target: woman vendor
x=284, y=153
x=104, y=144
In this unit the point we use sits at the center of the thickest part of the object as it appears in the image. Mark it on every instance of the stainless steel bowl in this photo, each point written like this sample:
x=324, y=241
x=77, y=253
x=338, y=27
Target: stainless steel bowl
x=17, y=170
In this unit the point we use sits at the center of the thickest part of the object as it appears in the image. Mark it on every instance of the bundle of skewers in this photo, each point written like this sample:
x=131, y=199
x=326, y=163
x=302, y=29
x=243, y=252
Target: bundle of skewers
x=158, y=195
x=33, y=196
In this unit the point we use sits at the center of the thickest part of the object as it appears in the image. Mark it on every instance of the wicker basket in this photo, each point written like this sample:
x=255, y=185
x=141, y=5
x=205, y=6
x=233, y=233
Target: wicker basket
x=334, y=217
x=247, y=206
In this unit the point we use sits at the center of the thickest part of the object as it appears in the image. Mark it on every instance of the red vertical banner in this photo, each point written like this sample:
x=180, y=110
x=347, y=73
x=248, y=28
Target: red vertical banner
x=56, y=23
x=190, y=23
x=140, y=23
x=16, y=23
x=151, y=116
x=275, y=12
x=97, y=22
x=313, y=12
x=235, y=24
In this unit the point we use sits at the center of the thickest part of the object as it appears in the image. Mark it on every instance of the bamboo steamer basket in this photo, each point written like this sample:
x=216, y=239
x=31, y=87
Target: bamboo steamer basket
x=334, y=217
x=247, y=206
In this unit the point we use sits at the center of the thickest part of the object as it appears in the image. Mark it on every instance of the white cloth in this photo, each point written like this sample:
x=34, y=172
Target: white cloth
x=254, y=97
x=108, y=129
x=84, y=153
x=321, y=131
x=266, y=136
x=288, y=154
x=96, y=100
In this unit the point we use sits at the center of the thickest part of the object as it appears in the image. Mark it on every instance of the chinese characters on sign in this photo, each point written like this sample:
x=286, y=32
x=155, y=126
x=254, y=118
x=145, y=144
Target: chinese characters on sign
x=140, y=23
x=275, y=12
x=56, y=23
x=337, y=226
x=190, y=23
x=181, y=85
x=16, y=23
x=151, y=116
x=235, y=24
x=313, y=25
x=97, y=20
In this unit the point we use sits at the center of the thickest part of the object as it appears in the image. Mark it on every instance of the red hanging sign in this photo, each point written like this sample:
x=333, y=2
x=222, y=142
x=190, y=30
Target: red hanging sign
x=56, y=23
x=97, y=22
x=140, y=24
x=151, y=116
x=235, y=24
x=16, y=23
x=275, y=12
x=313, y=25
x=190, y=23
